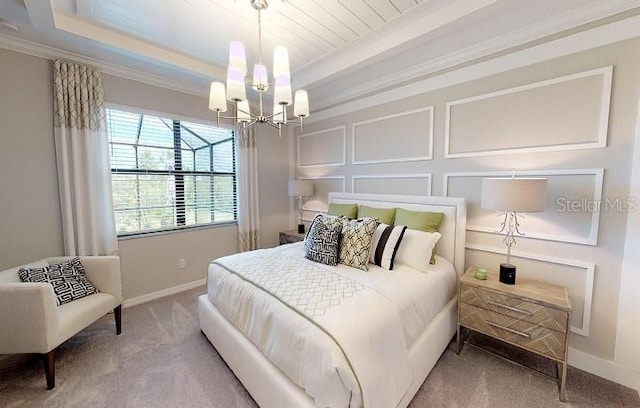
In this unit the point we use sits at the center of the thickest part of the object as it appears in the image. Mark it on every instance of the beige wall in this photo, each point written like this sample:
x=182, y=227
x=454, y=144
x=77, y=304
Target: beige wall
x=540, y=257
x=29, y=207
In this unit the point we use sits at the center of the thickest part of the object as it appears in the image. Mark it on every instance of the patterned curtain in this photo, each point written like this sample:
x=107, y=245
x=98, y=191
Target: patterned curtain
x=82, y=156
x=247, y=173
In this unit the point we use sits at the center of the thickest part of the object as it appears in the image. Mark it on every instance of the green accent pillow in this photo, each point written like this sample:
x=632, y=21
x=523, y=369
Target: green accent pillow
x=383, y=215
x=421, y=221
x=348, y=210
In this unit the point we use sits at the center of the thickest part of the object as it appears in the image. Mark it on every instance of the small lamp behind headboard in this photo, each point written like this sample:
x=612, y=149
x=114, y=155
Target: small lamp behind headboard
x=300, y=189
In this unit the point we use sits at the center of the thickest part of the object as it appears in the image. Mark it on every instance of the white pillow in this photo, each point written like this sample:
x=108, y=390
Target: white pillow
x=385, y=244
x=416, y=247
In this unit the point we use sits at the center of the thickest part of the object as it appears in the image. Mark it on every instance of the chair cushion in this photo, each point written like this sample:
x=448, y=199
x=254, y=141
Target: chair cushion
x=68, y=279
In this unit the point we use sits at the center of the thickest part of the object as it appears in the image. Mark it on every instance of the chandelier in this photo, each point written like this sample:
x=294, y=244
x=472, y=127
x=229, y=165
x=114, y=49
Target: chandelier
x=236, y=86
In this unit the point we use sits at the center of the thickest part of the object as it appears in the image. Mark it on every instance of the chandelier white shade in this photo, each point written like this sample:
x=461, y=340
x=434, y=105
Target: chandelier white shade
x=236, y=85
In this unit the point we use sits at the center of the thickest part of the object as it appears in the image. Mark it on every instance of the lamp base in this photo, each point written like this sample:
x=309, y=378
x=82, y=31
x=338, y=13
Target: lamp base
x=300, y=228
x=508, y=273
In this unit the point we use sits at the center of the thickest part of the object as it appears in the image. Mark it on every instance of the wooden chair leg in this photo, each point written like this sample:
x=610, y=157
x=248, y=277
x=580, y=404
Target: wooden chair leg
x=49, y=360
x=117, y=313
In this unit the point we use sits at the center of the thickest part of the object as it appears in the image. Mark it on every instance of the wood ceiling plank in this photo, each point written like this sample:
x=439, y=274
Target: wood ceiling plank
x=404, y=5
x=364, y=12
x=326, y=18
x=312, y=26
x=384, y=8
x=344, y=15
x=282, y=23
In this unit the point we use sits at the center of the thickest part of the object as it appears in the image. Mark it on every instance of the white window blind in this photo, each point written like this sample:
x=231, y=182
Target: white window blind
x=168, y=174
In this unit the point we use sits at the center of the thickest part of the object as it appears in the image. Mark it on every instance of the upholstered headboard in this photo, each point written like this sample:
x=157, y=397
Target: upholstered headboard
x=452, y=243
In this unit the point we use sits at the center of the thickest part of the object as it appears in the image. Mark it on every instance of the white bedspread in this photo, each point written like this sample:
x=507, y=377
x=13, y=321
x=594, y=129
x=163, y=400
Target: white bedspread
x=341, y=334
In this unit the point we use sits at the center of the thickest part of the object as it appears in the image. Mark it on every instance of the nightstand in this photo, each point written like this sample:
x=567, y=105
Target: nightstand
x=531, y=315
x=290, y=236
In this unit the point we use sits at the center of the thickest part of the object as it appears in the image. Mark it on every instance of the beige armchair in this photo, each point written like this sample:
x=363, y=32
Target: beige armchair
x=31, y=321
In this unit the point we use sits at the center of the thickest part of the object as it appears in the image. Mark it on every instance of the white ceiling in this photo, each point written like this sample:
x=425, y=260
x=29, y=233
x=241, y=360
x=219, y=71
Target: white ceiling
x=333, y=44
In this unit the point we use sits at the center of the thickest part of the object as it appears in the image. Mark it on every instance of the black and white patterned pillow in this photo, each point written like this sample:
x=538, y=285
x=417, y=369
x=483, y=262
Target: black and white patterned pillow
x=385, y=243
x=68, y=279
x=322, y=243
x=328, y=220
x=355, y=242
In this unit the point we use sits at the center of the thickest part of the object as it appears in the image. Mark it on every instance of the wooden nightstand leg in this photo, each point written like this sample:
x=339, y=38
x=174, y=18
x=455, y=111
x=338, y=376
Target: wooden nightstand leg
x=563, y=382
x=461, y=336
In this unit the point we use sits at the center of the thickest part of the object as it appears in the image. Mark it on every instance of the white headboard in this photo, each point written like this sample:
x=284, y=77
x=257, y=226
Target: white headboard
x=452, y=243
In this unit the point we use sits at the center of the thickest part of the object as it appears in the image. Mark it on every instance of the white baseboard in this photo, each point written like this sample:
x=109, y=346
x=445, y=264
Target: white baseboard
x=604, y=368
x=162, y=293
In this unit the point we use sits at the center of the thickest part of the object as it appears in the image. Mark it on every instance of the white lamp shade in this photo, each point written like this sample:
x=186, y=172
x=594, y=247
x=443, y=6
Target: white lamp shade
x=280, y=61
x=235, y=85
x=514, y=194
x=237, y=57
x=260, y=81
x=282, y=93
x=217, y=98
x=301, y=106
x=243, y=114
x=278, y=113
x=300, y=188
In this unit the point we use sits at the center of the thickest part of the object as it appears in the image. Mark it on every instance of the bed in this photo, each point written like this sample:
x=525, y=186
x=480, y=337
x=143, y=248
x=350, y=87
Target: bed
x=283, y=360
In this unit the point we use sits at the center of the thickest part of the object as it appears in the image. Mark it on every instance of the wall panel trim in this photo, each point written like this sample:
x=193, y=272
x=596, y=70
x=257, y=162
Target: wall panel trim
x=329, y=164
x=428, y=109
x=606, y=72
x=598, y=175
x=426, y=176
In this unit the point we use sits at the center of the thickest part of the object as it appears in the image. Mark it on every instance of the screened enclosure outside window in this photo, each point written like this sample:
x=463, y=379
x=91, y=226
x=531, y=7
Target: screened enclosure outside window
x=168, y=174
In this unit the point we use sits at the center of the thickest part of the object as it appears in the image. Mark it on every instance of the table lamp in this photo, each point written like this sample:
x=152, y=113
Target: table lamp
x=512, y=196
x=300, y=189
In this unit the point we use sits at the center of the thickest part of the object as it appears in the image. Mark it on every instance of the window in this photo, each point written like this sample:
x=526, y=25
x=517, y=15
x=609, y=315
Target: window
x=168, y=174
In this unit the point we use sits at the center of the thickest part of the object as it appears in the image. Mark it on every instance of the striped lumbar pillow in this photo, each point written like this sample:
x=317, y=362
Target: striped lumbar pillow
x=385, y=243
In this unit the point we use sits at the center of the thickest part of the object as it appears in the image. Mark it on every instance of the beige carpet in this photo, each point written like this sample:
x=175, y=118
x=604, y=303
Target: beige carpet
x=163, y=360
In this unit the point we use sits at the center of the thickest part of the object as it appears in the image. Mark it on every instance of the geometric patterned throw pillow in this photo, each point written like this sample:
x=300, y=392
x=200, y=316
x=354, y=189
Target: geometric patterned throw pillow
x=68, y=279
x=355, y=244
x=322, y=243
x=331, y=221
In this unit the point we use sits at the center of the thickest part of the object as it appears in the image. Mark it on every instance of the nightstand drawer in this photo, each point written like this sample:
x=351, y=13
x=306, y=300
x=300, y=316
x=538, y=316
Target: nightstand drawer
x=539, y=339
x=515, y=307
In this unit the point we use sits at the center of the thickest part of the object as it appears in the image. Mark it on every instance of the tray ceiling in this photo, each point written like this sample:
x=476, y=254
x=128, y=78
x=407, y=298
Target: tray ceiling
x=186, y=41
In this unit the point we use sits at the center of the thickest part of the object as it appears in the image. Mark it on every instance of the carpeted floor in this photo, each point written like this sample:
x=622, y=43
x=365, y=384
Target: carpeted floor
x=163, y=360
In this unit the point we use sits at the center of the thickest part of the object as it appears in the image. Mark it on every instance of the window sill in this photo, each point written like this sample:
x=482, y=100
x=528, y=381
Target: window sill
x=175, y=230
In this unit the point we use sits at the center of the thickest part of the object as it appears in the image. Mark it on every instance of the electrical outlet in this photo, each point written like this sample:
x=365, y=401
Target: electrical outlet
x=182, y=263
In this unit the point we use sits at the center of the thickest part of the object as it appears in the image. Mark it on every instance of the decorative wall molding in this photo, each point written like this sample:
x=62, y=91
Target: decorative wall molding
x=330, y=163
x=589, y=277
x=426, y=176
x=536, y=88
x=590, y=239
x=428, y=140
x=582, y=41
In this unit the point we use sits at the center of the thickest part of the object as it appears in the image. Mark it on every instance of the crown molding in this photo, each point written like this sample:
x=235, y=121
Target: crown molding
x=600, y=36
x=533, y=32
x=46, y=52
x=95, y=32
